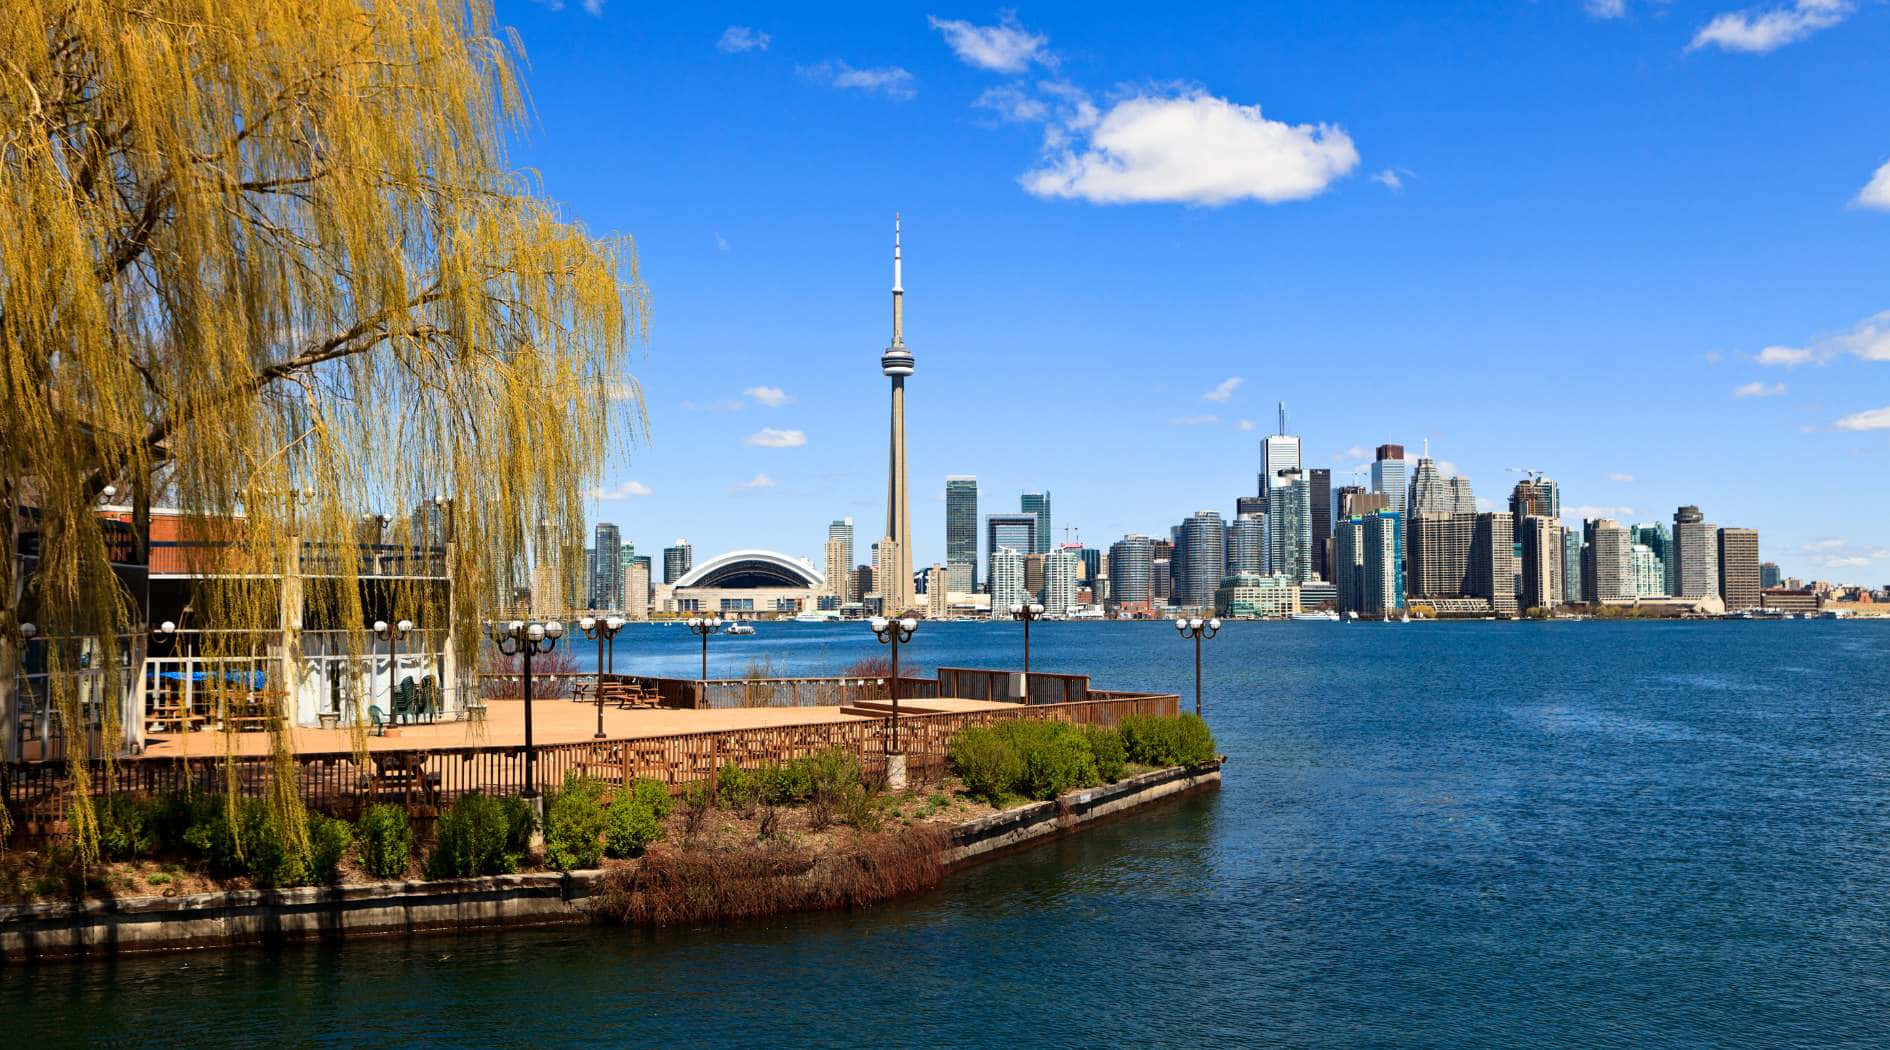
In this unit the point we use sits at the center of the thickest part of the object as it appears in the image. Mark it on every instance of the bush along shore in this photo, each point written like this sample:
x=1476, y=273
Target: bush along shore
x=810, y=833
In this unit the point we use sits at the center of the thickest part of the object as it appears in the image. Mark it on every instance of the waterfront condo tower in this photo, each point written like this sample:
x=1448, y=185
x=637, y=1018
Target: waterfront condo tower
x=961, y=527
x=896, y=364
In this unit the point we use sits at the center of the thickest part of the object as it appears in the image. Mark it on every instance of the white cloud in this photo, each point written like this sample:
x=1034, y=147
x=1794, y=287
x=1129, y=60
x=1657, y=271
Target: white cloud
x=1618, y=476
x=1003, y=48
x=1224, y=390
x=1756, y=31
x=1447, y=468
x=1392, y=178
x=593, y=7
x=1876, y=192
x=1194, y=148
x=1760, y=390
x=759, y=481
x=772, y=396
x=1713, y=357
x=1487, y=505
x=1013, y=104
x=774, y=437
x=1606, y=8
x=721, y=243
x=1356, y=452
x=892, y=81
x=736, y=39
x=1194, y=421
x=1873, y=419
x=1869, y=340
x=621, y=490
x=1245, y=424
x=1586, y=511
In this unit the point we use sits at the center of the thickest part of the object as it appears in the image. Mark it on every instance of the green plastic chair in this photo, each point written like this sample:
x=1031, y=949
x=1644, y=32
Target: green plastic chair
x=376, y=725
x=429, y=698
x=404, y=702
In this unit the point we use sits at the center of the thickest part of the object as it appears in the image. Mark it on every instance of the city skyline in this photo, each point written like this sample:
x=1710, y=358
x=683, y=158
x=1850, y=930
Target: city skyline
x=1602, y=251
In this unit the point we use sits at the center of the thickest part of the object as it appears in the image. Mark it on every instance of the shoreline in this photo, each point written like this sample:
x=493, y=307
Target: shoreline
x=95, y=929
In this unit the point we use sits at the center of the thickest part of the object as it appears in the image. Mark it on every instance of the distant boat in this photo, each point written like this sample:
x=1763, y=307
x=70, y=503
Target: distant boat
x=817, y=616
x=1326, y=616
x=739, y=628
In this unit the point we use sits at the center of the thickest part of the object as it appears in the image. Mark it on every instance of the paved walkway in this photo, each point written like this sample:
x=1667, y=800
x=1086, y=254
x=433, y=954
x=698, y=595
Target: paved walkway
x=553, y=722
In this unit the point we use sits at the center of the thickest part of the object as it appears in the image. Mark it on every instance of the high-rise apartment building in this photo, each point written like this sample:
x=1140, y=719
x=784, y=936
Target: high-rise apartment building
x=1644, y=568
x=1769, y=576
x=1739, y=577
x=1493, y=561
x=1247, y=545
x=961, y=525
x=1462, y=499
x=1061, y=568
x=1655, y=537
x=938, y=603
x=1535, y=496
x=1033, y=575
x=607, y=589
x=677, y=561
x=1571, y=566
x=1289, y=525
x=1695, y=554
x=636, y=587
x=1016, y=531
x=1439, y=555
x=1384, y=587
x=1319, y=490
x=839, y=557
x=1607, y=567
x=1348, y=562
x=862, y=582
x=1131, y=583
x=1388, y=476
x=1037, y=504
x=1542, y=563
x=1007, y=581
x=1203, y=547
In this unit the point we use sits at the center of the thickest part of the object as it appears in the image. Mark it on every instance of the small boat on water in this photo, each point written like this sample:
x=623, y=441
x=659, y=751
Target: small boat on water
x=1326, y=616
x=739, y=628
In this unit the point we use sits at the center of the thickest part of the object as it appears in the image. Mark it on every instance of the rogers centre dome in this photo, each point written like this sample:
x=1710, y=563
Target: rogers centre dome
x=743, y=583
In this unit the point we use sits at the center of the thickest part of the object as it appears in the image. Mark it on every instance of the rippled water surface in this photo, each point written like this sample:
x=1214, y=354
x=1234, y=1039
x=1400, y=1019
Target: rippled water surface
x=1444, y=834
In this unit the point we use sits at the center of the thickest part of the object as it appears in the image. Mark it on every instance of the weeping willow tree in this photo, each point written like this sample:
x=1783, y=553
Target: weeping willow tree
x=266, y=263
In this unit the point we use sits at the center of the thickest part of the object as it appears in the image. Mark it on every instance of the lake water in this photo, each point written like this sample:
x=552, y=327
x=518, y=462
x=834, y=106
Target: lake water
x=1429, y=834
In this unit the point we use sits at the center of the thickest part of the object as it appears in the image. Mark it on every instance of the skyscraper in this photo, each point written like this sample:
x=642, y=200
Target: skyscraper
x=1277, y=452
x=1383, y=570
x=1571, y=566
x=606, y=568
x=938, y=604
x=636, y=587
x=1038, y=504
x=1061, y=567
x=1131, y=585
x=1768, y=575
x=1348, y=562
x=1542, y=563
x=1655, y=537
x=1739, y=568
x=1695, y=554
x=896, y=363
x=1016, y=531
x=961, y=524
x=1204, y=548
x=1345, y=500
x=839, y=556
x=1247, y=544
x=1439, y=555
x=1644, y=568
x=1007, y=581
x=1535, y=496
x=1319, y=490
x=677, y=560
x=1462, y=499
x=1388, y=476
x=1427, y=488
x=1607, y=561
x=1493, y=561
x=1289, y=525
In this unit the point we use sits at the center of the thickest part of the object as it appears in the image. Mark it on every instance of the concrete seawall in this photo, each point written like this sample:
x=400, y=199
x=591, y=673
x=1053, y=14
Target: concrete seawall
x=240, y=918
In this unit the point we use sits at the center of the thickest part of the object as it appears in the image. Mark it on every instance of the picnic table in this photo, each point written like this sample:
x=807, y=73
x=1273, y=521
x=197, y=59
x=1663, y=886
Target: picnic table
x=399, y=772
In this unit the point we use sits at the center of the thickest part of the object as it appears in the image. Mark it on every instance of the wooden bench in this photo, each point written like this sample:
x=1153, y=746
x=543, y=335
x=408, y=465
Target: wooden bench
x=399, y=772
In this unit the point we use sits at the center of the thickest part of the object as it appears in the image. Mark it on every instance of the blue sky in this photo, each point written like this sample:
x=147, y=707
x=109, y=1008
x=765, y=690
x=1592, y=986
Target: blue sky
x=1639, y=246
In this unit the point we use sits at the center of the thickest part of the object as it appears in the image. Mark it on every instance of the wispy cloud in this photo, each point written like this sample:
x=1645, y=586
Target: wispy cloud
x=772, y=396
x=1356, y=452
x=1194, y=148
x=1224, y=389
x=1869, y=340
x=1589, y=510
x=737, y=39
x=1013, y=104
x=1833, y=553
x=621, y=490
x=1003, y=48
x=1757, y=31
x=1392, y=178
x=1876, y=192
x=1872, y=419
x=721, y=243
x=893, y=82
x=1760, y=390
x=1618, y=476
x=1245, y=424
x=775, y=437
x=759, y=481
x=1194, y=421
x=1606, y=8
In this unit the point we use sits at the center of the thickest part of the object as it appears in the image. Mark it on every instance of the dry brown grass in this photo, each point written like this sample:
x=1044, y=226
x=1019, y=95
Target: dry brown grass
x=673, y=887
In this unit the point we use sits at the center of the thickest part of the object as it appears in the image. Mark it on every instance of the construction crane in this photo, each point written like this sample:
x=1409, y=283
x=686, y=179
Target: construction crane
x=1535, y=476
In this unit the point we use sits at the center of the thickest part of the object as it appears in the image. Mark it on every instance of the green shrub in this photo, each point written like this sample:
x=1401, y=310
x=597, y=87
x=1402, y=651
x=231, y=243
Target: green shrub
x=126, y=827
x=250, y=844
x=735, y=788
x=574, y=823
x=986, y=761
x=1055, y=757
x=835, y=784
x=1111, y=756
x=481, y=835
x=386, y=841
x=636, y=818
x=785, y=782
x=1172, y=741
x=328, y=841
x=1195, y=741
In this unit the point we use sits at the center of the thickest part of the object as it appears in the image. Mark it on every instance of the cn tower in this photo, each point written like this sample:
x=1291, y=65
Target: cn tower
x=896, y=362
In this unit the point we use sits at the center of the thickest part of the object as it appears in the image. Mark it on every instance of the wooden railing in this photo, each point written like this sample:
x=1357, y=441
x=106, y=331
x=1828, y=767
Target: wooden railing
x=974, y=683
x=36, y=794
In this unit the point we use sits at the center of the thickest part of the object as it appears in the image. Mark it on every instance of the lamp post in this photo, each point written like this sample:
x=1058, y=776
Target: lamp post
x=393, y=634
x=1027, y=612
x=704, y=626
x=895, y=633
x=1198, y=629
x=519, y=638
x=604, y=630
